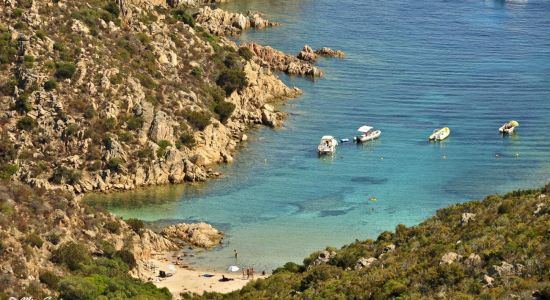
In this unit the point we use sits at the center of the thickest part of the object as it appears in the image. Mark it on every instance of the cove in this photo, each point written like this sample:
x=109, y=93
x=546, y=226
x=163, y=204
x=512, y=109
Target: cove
x=411, y=66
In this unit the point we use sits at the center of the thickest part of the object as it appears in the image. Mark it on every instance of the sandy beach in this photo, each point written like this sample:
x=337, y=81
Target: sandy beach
x=193, y=281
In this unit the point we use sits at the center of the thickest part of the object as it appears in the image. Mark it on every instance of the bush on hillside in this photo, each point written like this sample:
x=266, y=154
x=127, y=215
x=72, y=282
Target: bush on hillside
x=136, y=225
x=182, y=15
x=231, y=80
x=198, y=119
x=50, y=85
x=74, y=256
x=245, y=53
x=224, y=110
x=64, y=70
x=26, y=123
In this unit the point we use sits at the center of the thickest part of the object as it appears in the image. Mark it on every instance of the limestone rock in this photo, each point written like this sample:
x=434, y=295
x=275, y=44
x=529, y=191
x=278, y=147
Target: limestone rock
x=324, y=257
x=220, y=22
x=198, y=234
x=161, y=129
x=278, y=61
x=450, y=257
x=389, y=248
x=364, y=262
x=307, y=54
x=467, y=217
x=505, y=269
x=488, y=280
x=473, y=260
x=325, y=51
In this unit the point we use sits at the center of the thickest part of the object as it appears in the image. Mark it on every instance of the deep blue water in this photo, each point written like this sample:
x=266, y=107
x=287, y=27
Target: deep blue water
x=411, y=66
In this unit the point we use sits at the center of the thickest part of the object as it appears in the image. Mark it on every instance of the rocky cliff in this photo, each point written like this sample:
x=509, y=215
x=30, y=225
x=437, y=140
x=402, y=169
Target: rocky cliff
x=107, y=95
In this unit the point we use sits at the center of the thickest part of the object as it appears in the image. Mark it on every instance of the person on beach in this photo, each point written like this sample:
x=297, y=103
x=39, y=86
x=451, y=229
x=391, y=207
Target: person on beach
x=236, y=255
x=252, y=273
x=247, y=273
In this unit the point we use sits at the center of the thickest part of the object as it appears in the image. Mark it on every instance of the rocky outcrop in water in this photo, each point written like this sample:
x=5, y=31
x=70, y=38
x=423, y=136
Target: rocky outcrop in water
x=278, y=61
x=198, y=234
x=325, y=51
x=221, y=22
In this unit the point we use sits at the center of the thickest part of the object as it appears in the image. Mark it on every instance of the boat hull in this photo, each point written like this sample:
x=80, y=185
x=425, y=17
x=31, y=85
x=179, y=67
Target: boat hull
x=369, y=137
x=440, y=134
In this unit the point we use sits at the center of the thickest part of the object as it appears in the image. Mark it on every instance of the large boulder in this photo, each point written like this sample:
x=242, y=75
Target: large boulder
x=364, y=262
x=198, y=234
x=450, y=257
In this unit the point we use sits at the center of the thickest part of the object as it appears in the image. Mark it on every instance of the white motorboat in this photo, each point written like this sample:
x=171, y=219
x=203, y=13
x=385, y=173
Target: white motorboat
x=440, y=134
x=327, y=145
x=367, y=134
x=508, y=127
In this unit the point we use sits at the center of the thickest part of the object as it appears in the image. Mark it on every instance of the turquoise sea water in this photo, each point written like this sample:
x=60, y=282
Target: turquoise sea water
x=412, y=66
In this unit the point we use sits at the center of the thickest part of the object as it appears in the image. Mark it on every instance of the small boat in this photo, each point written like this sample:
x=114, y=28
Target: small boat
x=509, y=127
x=327, y=145
x=440, y=134
x=367, y=134
x=344, y=140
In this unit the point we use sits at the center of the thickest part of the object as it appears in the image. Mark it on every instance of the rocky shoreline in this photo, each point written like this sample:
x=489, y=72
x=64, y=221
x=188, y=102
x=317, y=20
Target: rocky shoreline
x=137, y=130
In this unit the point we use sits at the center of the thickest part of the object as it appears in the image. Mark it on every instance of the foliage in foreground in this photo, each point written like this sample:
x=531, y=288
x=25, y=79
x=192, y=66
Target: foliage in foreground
x=512, y=229
x=38, y=236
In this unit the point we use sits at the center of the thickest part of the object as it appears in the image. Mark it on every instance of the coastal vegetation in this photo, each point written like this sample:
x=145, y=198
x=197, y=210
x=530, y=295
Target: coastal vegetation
x=497, y=248
x=47, y=256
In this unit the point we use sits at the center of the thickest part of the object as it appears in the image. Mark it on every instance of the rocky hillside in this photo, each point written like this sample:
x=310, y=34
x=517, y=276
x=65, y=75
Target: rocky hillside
x=105, y=94
x=498, y=248
x=51, y=245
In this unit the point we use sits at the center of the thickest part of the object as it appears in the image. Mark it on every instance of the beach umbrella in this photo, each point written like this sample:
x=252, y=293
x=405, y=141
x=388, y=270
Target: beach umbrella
x=171, y=268
x=233, y=269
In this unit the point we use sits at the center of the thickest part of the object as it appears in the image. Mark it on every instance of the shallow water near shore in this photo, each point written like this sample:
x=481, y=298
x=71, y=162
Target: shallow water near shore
x=411, y=67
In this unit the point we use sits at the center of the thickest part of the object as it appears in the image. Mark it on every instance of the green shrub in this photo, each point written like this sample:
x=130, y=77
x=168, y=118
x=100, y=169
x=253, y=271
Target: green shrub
x=134, y=123
x=28, y=61
x=7, y=88
x=50, y=85
x=127, y=257
x=163, y=144
x=107, y=248
x=62, y=174
x=26, y=123
x=74, y=256
x=198, y=119
x=113, y=9
x=224, y=110
x=77, y=288
x=186, y=139
x=112, y=227
x=231, y=80
x=8, y=48
x=64, y=70
x=146, y=153
x=49, y=279
x=183, y=16
x=34, y=240
x=8, y=170
x=54, y=238
x=147, y=81
x=89, y=113
x=197, y=71
x=505, y=207
x=137, y=225
x=23, y=105
x=115, y=164
x=245, y=53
